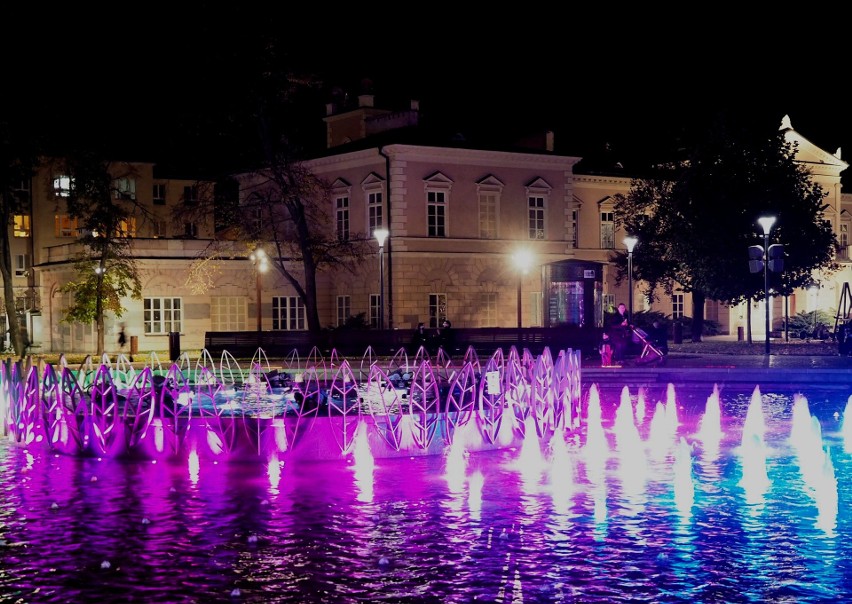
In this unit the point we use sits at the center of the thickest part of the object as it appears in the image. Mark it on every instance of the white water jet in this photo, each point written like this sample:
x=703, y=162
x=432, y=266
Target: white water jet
x=684, y=487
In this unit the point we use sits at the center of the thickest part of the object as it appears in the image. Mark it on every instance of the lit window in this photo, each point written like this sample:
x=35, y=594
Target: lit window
x=65, y=226
x=126, y=228
x=22, y=225
x=62, y=186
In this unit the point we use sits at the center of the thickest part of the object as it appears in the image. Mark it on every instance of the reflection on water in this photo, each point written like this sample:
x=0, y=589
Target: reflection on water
x=663, y=506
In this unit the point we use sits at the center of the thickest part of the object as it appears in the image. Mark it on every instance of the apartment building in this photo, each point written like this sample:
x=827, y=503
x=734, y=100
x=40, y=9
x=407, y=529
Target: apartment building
x=459, y=219
x=44, y=247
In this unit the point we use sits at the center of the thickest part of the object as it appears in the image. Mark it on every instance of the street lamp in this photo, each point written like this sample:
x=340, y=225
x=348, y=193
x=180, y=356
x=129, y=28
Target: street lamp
x=766, y=222
x=381, y=236
x=630, y=242
x=523, y=261
x=261, y=265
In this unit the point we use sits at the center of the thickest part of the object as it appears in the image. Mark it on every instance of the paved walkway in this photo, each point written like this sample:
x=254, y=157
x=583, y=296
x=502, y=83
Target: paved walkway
x=687, y=368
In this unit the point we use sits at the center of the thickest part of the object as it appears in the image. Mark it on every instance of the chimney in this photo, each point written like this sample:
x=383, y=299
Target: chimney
x=549, y=140
x=365, y=100
x=415, y=105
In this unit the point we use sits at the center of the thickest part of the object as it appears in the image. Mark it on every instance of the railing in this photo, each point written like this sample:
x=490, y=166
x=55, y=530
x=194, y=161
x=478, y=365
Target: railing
x=485, y=340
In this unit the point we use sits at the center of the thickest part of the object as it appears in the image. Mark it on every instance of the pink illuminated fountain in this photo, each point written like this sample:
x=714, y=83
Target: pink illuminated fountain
x=323, y=410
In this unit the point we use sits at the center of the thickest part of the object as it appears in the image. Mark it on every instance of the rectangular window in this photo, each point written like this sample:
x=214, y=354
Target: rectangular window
x=488, y=309
x=161, y=315
x=190, y=195
x=437, y=309
x=607, y=231
x=21, y=225
x=573, y=232
x=190, y=230
x=160, y=194
x=375, y=309
x=677, y=306
x=436, y=214
x=65, y=226
x=62, y=186
x=228, y=313
x=609, y=303
x=344, y=310
x=487, y=216
x=288, y=313
x=536, y=217
x=375, y=211
x=125, y=188
x=342, y=207
x=159, y=228
x=126, y=227
x=22, y=263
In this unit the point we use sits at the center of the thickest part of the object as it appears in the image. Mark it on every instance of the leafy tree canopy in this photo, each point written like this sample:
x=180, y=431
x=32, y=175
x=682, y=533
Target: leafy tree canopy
x=695, y=218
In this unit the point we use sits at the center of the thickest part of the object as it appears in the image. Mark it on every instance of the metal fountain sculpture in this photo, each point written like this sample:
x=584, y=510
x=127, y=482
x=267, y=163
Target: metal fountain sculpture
x=313, y=410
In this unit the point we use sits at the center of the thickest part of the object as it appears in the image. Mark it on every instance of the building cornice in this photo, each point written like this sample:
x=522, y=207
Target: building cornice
x=447, y=155
x=600, y=180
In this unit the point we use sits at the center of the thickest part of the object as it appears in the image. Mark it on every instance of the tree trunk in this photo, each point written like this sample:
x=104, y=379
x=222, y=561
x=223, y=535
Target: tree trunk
x=16, y=334
x=698, y=301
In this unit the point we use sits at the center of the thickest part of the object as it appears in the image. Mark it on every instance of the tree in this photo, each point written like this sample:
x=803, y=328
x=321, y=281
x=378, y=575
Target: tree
x=281, y=204
x=696, y=218
x=18, y=165
x=105, y=268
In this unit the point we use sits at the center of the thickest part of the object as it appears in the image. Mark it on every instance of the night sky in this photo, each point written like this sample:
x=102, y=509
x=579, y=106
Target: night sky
x=166, y=84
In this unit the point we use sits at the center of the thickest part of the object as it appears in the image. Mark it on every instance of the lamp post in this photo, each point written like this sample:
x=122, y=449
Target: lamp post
x=630, y=242
x=813, y=290
x=766, y=222
x=523, y=260
x=261, y=264
x=381, y=236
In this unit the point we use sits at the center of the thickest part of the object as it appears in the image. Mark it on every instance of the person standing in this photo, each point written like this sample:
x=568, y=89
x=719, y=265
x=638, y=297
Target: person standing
x=619, y=333
x=446, y=337
x=420, y=338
